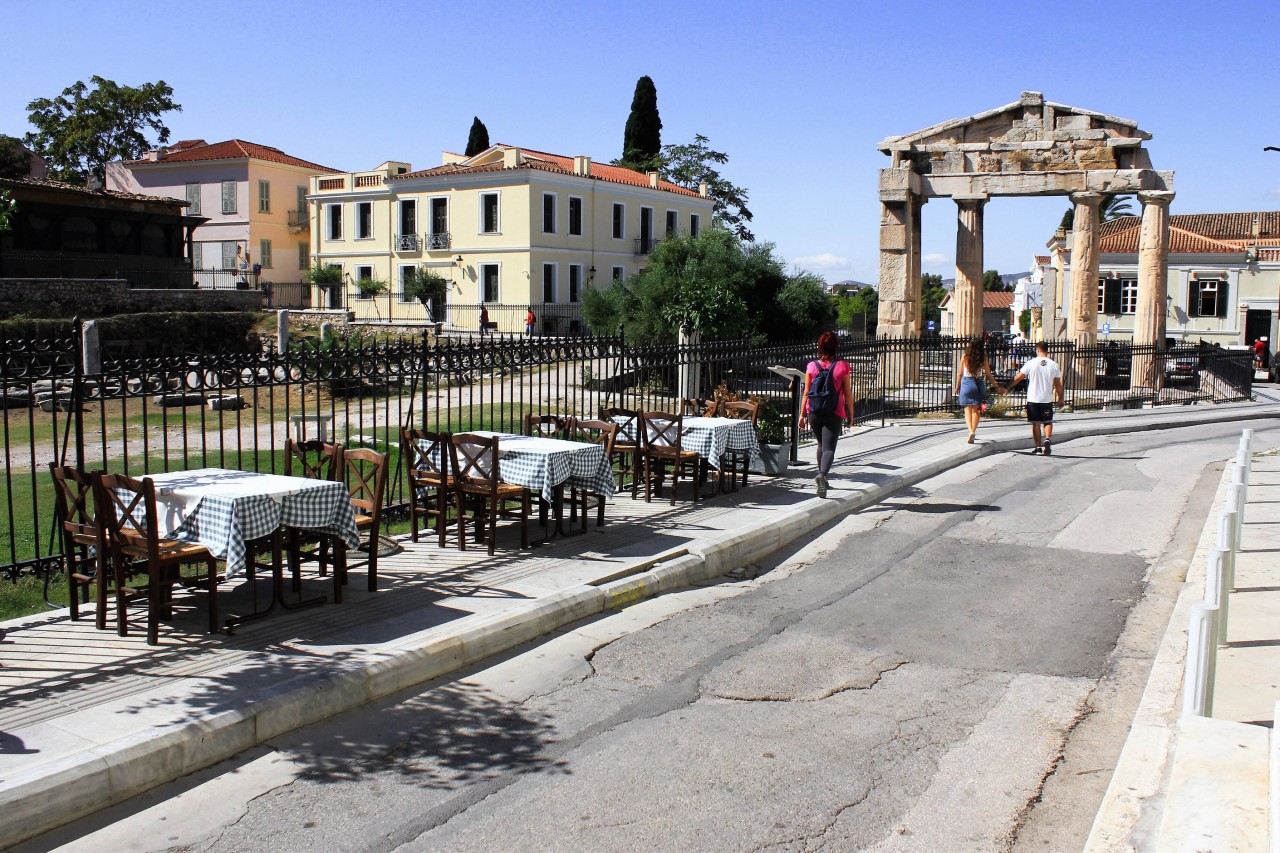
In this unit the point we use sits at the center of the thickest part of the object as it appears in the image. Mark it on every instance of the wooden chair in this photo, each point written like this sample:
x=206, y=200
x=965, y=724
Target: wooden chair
x=474, y=459
x=738, y=459
x=314, y=460
x=365, y=473
x=544, y=426
x=697, y=407
x=84, y=547
x=596, y=432
x=661, y=435
x=431, y=487
x=625, y=457
x=129, y=518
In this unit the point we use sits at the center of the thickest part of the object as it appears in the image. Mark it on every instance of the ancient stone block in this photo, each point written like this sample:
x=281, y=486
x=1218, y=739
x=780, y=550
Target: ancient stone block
x=1098, y=157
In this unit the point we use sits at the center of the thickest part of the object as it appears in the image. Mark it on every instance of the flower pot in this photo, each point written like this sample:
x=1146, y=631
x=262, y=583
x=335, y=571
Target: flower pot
x=773, y=459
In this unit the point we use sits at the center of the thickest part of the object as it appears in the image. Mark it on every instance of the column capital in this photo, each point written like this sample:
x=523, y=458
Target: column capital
x=974, y=200
x=1090, y=198
x=1161, y=197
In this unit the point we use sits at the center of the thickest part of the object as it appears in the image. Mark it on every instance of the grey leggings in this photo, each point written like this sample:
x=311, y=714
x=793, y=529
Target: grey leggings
x=826, y=428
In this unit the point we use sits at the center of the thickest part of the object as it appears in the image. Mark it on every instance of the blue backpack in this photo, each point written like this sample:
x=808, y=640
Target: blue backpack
x=823, y=396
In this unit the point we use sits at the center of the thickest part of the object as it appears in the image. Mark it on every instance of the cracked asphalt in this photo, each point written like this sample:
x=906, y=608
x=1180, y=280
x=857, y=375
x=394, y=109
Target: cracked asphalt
x=953, y=669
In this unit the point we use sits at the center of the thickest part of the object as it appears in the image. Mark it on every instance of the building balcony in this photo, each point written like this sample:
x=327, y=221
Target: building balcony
x=408, y=243
x=645, y=245
x=438, y=242
x=299, y=219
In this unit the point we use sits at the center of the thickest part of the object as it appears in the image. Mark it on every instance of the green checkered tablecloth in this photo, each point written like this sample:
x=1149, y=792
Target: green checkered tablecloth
x=223, y=510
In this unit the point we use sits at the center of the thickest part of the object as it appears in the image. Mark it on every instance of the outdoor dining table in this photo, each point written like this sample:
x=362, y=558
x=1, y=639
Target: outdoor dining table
x=711, y=437
x=226, y=510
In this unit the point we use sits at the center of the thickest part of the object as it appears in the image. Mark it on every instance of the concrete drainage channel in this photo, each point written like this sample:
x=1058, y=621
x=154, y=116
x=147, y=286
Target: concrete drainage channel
x=59, y=792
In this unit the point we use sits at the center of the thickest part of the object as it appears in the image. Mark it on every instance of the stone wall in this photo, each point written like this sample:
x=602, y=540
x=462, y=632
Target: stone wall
x=89, y=297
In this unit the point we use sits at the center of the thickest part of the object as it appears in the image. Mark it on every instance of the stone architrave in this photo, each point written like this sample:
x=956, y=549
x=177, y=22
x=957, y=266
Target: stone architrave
x=968, y=289
x=1082, y=319
x=1153, y=281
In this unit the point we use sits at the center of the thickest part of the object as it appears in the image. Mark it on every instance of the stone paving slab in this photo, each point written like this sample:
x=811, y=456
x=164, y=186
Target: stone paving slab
x=90, y=719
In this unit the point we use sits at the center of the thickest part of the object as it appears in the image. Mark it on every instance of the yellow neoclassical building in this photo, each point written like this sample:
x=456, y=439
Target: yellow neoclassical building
x=509, y=228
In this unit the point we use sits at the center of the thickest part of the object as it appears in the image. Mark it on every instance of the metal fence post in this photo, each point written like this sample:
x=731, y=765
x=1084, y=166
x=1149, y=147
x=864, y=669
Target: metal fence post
x=1197, y=685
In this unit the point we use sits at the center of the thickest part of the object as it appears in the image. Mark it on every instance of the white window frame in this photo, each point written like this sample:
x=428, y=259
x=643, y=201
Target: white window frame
x=669, y=228
x=695, y=224
x=1128, y=296
x=569, y=293
x=555, y=204
x=329, y=221
x=431, y=214
x=1203, y=286
x=581, y=209
x=653, y=238
x=400, y=297
x=481, y=268
x=1102, y=296
x=554, y=269
x=497, y=196
x=619, y=223
x=264, y=254
x=357, y=278
x=359, y=205
x=619, y=273
x=400, y=208
x=264, y=196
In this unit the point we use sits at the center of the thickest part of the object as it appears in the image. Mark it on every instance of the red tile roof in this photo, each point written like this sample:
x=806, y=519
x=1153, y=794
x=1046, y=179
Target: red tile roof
x=545, y=162
x=63, y=187
x=1197, y=233
x=1043, y=259
x=996, y=299
x=196, y=150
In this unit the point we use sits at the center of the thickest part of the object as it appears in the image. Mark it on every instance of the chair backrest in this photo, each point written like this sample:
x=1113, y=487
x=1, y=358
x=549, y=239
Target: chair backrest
x=127, y=514
x=312, y=459
x=751, y=411
x=546, y=426
x=426, y=454
x=627, y=420
x=697, y=407
x=475, y=460
x=595, y=432
x=365, y=473
x=72, y=491
x=661, y=429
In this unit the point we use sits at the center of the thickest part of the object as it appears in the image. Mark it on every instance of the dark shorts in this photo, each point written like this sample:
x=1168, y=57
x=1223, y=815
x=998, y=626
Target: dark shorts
x=1040, y=413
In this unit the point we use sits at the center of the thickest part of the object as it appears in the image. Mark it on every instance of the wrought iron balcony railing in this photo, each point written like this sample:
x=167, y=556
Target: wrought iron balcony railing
x=299, y=218
x=438, y=241
x=408, y=243
x=645, y=245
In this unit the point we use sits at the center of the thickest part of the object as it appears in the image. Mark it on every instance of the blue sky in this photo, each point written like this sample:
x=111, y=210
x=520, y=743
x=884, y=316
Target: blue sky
x=798, y=94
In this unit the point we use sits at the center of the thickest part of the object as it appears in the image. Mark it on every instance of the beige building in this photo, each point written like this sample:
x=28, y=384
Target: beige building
x=253, y=196
x=509, y=228
x=1224, y=277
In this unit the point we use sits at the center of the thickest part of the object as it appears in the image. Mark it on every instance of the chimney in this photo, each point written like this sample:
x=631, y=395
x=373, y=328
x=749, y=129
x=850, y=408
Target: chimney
x=582, y=165
x=151, y=156
x=653, y=180
x=510, y=158
x=702, y=189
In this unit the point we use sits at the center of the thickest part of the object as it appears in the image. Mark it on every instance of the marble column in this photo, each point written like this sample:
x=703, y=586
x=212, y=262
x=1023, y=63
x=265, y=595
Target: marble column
x=1082, y=316
x=915, y=296
x=895, y=268
x=968, y=289
x=1153, y=284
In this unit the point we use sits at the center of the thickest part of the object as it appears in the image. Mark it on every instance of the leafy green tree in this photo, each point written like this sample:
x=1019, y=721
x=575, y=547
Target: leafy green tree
x=714, y=285
x=693, y=164
x=8, y=209
x=478, y=139
x=932, y=293
x=642, y=137
x=15, y=159
x=1024, y=321
x=83, y=129
x=863, y=305
x=1112, y=207
x=991, y=281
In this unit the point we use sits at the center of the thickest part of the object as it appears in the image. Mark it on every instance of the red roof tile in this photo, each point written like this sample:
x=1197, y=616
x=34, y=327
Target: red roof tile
x=1197, y=233
x=194, y=151
x=545, y=162
x=63, y=187
x=1043, y=259
x=997, y=299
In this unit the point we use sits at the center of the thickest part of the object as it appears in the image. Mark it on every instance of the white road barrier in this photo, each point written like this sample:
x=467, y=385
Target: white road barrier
x=1215, y=590
x=1202, y=649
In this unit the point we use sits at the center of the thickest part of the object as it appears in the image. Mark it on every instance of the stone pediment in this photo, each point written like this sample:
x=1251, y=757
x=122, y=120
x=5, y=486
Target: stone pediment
x=1029, y=135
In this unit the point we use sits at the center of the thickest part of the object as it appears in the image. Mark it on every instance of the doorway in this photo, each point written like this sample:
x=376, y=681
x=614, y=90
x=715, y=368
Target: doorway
x=1257, y=324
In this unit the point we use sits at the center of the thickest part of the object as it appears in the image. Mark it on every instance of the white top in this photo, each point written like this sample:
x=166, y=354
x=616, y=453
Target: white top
x=1040, y=372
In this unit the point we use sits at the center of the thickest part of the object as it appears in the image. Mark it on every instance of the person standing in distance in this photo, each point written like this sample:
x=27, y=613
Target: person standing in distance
x=1044, y=387
x=828, y=403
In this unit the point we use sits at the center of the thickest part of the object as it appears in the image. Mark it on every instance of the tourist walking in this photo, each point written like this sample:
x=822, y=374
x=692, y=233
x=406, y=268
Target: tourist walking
x=529, y=320
x=484, y=319
x=971, y=389
x=828, y=403
x=1044, y=387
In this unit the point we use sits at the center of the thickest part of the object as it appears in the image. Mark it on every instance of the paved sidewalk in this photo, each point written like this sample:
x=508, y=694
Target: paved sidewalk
x=89, y=719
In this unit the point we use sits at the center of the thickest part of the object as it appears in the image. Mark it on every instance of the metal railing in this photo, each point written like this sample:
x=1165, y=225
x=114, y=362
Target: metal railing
x=408, y=243
x=299, y=218
x=439, y=241
x=144, y=410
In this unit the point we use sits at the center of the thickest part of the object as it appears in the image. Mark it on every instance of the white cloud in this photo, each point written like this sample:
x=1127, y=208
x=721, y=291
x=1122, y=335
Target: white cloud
x=825, y=261
x=935, y=259
x=1275, y=192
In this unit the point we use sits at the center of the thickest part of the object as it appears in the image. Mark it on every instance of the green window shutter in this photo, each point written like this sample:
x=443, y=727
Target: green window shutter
x=264, y=196
x=1224, y=290
x=197, y=256
x=229, y=254
x=304, y=256
x=264, y=254
x=228, y=196
x=193, y=199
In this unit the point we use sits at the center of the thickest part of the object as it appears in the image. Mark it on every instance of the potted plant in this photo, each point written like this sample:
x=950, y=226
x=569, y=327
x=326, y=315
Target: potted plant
x=771, y=432
x=427, y=286
x=329, y=278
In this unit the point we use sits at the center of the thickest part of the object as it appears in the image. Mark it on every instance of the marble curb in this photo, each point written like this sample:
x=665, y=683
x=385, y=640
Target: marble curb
x=60, y=791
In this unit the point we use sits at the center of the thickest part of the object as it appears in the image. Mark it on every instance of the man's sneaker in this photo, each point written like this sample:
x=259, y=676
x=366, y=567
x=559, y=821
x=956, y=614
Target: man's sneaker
x=1035, y=451
x=822, y=486
x=1048, y=447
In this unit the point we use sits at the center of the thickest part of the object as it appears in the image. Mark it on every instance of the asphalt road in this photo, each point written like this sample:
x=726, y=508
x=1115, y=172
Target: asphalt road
x=952, y=670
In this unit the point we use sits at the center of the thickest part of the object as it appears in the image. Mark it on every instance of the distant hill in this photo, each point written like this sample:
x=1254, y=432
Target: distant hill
x=1009, y=278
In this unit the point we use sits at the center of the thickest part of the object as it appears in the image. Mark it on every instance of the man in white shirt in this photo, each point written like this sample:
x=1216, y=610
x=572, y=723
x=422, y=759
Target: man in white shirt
x=1044, y=387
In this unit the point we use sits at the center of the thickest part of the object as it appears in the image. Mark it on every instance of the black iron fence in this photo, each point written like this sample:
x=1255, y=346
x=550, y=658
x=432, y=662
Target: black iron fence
x=140, y=411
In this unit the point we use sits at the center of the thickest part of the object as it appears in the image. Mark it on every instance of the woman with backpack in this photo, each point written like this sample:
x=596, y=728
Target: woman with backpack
x=828, y=403
x=971, y=390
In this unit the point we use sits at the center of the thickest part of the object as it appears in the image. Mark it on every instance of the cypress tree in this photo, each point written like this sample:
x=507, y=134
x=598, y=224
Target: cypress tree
x=478, y=140
x=642, y=139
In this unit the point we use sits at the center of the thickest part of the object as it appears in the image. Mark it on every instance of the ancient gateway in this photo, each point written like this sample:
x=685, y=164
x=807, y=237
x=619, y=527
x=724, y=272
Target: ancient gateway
x=1031, y=147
